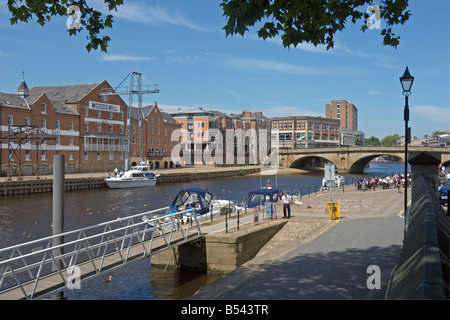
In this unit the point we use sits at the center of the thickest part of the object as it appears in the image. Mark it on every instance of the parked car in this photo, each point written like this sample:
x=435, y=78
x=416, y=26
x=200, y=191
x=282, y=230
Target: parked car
x=444, y=191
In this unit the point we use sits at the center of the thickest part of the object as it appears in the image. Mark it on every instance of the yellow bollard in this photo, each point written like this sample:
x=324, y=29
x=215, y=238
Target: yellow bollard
x=333, y=210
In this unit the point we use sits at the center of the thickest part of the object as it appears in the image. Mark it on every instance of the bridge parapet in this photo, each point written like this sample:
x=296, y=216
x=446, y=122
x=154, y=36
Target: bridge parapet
x=353, y=159
x=423, y=270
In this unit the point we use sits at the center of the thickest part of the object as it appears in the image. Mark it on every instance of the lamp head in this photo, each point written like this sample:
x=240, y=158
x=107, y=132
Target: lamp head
x=406, y=81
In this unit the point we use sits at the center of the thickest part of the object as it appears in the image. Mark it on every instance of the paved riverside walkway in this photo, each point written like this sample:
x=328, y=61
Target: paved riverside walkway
x=312, y=257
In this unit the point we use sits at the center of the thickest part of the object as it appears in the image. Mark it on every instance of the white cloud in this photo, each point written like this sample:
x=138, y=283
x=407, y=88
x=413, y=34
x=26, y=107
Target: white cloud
x=233, y=93
x=374, y=92
x=290, y=111
x=122, y=57
x=183, y=59
x=271, y=65
x=433, y=113
x=152, y=15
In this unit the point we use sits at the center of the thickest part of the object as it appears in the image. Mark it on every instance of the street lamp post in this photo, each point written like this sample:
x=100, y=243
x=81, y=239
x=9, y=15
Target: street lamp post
x=406, y=81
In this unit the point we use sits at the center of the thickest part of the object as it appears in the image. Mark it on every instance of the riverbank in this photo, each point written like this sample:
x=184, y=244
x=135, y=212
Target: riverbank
x=95, y=180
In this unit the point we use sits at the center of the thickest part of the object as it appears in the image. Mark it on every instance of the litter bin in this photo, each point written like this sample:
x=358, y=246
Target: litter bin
x=333, y=210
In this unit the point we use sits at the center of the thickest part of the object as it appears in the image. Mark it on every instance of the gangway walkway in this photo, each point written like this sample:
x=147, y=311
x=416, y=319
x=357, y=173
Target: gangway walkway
x=39, y=269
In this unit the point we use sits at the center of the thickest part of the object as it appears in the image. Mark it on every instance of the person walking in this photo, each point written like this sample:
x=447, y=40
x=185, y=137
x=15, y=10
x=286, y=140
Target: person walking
x=286, y=205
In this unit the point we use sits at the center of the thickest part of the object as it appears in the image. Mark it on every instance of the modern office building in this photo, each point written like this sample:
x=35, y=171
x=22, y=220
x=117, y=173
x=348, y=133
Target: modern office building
x=343, y=111
x=297, y=132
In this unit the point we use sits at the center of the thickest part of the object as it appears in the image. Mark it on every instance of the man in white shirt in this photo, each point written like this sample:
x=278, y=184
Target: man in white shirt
x=286, y=205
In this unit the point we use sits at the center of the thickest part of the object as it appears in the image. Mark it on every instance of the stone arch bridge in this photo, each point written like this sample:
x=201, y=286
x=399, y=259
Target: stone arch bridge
x=354, y=159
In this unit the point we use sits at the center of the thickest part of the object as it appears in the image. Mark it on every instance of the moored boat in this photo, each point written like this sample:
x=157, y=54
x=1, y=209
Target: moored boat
x=136, y=177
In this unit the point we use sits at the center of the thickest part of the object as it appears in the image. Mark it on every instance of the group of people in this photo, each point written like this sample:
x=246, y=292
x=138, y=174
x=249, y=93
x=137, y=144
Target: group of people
x=394, y=181
x=117, y=173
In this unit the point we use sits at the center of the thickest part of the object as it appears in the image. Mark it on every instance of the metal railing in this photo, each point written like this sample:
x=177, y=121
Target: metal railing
x=39, y=268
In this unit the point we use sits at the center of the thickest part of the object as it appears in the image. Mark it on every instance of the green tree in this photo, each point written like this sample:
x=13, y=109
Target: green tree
x=390, y=140
x=89, y=18
x=310, y=21
x=372, y=141
x=439, y=132
x=299, y=21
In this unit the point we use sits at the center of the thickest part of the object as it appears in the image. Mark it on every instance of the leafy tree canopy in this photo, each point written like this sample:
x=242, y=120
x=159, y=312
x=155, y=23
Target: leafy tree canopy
x=310, y=21
x=296, y=21
x=390, y=140
x=372, y=141
x=89, y=18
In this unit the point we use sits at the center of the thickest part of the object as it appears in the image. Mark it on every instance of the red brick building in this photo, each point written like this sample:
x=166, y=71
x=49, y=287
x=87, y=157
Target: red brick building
x=157, y=131
x=79, y=122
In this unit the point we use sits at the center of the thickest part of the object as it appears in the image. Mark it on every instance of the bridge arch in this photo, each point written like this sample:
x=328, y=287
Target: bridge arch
x=309, y=163
x=359, y=165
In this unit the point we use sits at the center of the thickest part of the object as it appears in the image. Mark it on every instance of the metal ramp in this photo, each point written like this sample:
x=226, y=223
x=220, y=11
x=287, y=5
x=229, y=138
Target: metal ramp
x=39, y=269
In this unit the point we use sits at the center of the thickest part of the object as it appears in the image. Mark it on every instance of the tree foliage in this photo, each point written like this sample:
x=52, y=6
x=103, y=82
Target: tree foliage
x=390, y=140
x=372, y=141
x=297, y=21
x=310, y=21
x=90, y=19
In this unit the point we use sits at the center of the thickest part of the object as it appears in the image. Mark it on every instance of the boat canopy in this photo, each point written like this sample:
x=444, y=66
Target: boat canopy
x=194, y=198
x=261, y=196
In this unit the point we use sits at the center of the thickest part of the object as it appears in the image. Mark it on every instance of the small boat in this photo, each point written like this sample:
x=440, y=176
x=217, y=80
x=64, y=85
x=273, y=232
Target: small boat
x=203, y=203
x=338, y=181
x=137, y=176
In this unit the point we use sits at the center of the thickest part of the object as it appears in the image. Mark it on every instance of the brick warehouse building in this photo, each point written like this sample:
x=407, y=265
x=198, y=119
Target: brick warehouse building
x=73, y=120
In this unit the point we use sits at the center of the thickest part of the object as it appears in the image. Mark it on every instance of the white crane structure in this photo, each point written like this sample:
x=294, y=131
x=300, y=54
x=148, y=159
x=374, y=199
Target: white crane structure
x=142, y=86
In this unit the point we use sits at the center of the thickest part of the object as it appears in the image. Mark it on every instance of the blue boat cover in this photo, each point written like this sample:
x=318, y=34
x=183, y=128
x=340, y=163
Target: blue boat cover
x=193, y=197
x=261, y=196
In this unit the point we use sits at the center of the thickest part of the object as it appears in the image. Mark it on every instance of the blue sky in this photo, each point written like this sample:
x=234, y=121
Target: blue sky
x=180, y=46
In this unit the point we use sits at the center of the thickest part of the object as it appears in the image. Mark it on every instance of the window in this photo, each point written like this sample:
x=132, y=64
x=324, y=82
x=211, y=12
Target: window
x=86, y=112
x=86, y=127
x=111, y=129
x=27, y=155
x=43, y=108
x=70, y=155
x=70, y=125
x=99, y=156
x=71, y=141
x=111, y=155
x=58, y=124
x=86, y=155
x=58, y=140
x=27, y=121
x=99, y=114
x=44, y=123
x=99, y=128
x=44, y=155
x=10, y=120
x=110, y=115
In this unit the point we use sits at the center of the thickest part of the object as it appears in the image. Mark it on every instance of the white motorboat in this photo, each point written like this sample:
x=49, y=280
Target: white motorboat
x=339, y=180
x=137, y=176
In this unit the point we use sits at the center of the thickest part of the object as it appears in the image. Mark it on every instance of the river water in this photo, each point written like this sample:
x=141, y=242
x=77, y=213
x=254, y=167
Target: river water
x=27, y=217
